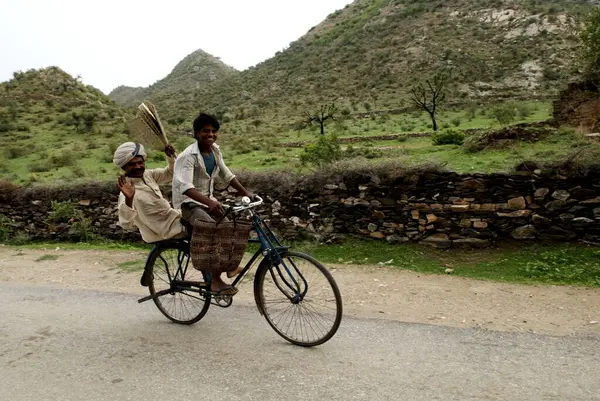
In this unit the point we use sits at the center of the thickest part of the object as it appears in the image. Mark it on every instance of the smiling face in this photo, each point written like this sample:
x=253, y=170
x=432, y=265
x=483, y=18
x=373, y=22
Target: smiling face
x=206, y=137
x=135, y=167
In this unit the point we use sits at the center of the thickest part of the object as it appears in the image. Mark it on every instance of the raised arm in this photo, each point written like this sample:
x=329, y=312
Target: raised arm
x=165, y=175
x=125, y=209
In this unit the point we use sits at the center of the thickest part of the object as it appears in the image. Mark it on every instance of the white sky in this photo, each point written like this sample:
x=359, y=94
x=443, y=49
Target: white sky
x=135, y=43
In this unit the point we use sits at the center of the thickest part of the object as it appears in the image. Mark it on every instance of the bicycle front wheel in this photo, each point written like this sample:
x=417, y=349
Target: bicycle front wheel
x=300, y=299
x=183, y=304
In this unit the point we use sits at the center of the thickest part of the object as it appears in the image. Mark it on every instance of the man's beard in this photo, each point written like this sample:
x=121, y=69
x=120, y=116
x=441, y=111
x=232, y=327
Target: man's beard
x=136, y=173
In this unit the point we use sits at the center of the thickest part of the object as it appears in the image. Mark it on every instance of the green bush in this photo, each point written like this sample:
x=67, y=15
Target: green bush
x=504, y=114
x=455, y=121
x=14, y=152
x=38, y=167
x=61, y=212
x=64, y=159
x=448, y=137
x=6, y=126
x=242, y=146
x=524, y=110
x=5, y=228
x=367, y=153
x=326, y=150
x=82, y=227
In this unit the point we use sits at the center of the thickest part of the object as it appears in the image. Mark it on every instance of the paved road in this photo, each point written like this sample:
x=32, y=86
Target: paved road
x=58, y=344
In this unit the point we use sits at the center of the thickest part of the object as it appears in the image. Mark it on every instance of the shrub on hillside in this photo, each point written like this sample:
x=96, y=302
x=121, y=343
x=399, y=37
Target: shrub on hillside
x=366, y=152
x=448, y=137
x=64, y=159
x=326, y=150
x=505, y=113
x=14, y=152
x=39, y=167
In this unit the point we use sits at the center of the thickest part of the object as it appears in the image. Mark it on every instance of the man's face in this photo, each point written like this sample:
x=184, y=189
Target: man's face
x=135, y=168
x=206, y=136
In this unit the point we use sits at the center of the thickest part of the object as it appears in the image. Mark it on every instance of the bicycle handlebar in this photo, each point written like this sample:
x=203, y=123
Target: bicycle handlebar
x=247, y=204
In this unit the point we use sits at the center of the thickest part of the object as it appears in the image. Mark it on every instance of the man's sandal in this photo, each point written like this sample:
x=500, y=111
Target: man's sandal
x=224, y=291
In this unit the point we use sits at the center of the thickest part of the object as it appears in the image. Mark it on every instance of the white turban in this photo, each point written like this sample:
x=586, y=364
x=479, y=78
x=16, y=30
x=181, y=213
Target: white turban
x=128, y=151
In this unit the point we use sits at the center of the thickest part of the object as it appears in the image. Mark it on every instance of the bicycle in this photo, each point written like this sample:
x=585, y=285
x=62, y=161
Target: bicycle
x=285, y=284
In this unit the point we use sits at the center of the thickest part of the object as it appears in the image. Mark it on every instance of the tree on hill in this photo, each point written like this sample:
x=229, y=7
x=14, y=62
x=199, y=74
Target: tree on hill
x=590, y=39
x=321, y=115
x=430, y=94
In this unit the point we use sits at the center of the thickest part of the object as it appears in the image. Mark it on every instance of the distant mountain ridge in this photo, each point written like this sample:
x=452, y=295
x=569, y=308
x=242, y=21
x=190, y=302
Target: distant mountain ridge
x=194, y=72
x=367, y=55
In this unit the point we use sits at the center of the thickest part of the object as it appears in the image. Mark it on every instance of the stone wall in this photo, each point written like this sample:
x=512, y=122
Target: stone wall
x=442, y=209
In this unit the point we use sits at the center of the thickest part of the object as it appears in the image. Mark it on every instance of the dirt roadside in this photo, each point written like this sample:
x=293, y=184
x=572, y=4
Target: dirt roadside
x=368, y=291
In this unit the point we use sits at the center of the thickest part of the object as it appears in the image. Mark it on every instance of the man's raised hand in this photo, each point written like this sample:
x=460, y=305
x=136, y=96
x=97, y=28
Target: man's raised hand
x=170, y=151
x=127, y=188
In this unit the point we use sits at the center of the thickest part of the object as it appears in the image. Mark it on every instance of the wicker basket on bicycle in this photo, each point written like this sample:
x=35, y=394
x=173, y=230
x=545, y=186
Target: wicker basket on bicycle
x=218, y=247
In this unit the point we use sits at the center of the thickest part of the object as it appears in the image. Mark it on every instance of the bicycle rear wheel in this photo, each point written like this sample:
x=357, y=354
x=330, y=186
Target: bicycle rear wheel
x=300, y=299
x=184, y=304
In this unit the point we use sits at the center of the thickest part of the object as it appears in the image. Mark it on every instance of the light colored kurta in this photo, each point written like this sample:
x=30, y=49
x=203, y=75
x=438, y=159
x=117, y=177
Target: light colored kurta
x=190, y=172
x=150, y=212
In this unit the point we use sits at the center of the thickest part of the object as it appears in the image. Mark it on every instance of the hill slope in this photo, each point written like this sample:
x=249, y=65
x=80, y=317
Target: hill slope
x=53, y=127
x=194, y=72
x=368, y=54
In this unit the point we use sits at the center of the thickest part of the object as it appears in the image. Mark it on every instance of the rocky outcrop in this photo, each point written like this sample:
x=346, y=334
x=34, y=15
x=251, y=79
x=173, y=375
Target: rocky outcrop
x=579, y=106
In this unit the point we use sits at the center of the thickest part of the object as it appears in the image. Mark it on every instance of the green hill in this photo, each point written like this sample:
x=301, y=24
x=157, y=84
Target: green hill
x=364, y=58
x=195, y=72
x=367, y=55
x=53, y=127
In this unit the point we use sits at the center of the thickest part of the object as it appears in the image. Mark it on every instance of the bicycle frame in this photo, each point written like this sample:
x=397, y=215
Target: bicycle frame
x=271, y=249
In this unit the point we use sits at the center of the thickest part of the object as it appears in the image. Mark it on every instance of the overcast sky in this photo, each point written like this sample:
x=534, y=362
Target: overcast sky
x=135, y=43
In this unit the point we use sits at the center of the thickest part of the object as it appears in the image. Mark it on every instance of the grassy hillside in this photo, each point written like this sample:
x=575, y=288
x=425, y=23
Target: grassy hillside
x=366, y=56
x=53, y=127
x=195, y=72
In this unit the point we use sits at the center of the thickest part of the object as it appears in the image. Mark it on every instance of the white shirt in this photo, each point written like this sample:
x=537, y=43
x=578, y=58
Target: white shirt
x=190, y=172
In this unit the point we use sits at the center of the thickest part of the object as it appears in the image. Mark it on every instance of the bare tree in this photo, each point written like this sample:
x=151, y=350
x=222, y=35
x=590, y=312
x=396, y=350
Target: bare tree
x=429, y=95
x=324, y=113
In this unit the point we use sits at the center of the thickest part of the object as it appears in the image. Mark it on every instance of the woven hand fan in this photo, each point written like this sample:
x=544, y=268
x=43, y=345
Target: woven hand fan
x=146, y=127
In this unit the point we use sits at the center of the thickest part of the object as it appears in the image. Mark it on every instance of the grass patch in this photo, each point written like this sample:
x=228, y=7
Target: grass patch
x=132, y=265
x=554, y=263
x=562, y=264
x=47, y=257
x=62, y=155
x=103, y=245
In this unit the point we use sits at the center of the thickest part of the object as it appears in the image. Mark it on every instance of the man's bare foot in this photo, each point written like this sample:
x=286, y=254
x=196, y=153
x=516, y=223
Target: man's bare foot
x=235, y=272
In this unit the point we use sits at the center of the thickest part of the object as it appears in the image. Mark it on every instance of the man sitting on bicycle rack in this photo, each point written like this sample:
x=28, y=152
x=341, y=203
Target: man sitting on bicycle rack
x=141, y=203
x=196, y=170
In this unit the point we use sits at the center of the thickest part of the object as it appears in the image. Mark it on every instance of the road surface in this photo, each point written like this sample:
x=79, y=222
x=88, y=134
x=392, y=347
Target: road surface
x=68, y=344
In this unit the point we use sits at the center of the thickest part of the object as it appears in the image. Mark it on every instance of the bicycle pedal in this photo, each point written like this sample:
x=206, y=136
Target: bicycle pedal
x=223, y=301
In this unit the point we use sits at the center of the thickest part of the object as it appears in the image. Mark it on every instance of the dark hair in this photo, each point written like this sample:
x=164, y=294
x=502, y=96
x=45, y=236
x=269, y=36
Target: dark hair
x=205, y=119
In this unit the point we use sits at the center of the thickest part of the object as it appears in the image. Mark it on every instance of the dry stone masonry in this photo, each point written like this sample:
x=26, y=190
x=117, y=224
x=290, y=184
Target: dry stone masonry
x=441, y=209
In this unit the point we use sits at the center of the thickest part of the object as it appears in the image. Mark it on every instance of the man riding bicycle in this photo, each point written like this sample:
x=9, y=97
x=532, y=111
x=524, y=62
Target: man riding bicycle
x=195, y=172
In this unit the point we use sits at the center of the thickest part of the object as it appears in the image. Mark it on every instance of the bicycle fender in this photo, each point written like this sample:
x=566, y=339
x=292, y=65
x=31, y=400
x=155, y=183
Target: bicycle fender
x=264, y=265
